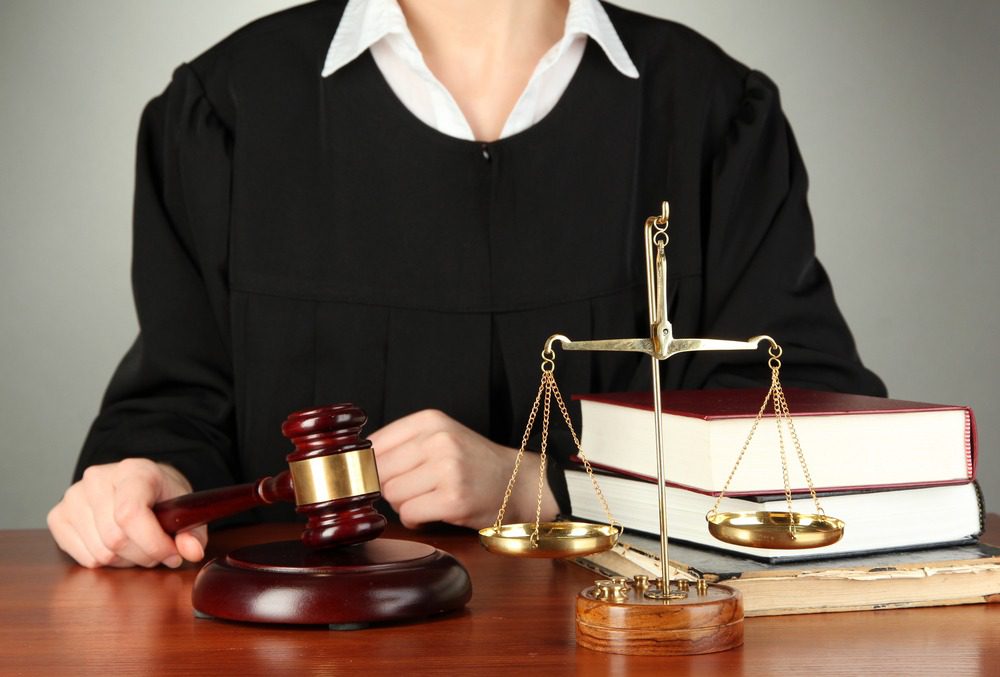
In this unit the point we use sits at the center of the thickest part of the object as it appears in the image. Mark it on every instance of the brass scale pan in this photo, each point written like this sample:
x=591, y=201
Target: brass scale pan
x=774, y=530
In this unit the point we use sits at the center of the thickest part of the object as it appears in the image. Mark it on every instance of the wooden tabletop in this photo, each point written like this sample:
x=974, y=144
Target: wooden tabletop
x=58, y=618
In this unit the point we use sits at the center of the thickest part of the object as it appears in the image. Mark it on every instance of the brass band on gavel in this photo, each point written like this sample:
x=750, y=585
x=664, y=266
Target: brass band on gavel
x=328, y=478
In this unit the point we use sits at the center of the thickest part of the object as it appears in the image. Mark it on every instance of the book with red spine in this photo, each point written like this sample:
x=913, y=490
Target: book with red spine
x=850, y=442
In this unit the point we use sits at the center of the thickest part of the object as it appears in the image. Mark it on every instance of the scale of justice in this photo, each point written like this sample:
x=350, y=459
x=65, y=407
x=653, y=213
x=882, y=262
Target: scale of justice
x=340, y=573
x=659, y=616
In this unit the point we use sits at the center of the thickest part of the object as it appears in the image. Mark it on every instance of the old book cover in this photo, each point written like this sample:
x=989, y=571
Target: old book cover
x=967, y=574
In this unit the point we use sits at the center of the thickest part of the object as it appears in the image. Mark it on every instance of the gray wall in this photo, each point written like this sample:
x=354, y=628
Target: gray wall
x=894, y=104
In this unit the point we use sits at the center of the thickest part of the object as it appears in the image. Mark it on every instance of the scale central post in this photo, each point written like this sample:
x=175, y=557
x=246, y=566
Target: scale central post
x=660, y=345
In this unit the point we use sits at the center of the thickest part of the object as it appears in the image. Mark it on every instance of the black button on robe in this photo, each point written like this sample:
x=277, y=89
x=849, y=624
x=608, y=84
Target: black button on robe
x=302, y=241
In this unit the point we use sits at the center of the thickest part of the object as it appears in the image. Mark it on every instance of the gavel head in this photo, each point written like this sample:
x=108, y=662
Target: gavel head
x=333, y=476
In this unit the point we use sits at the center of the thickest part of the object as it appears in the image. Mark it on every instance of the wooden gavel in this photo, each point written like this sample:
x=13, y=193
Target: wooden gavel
x=331, y=478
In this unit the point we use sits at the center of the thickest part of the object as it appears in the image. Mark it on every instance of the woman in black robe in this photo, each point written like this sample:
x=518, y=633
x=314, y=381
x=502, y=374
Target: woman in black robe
x=301, y=240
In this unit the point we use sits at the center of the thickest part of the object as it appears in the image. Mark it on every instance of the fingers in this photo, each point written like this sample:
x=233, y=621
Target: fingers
x=442, y=491
x=421, y=510
x=145, y=542
x=106, y=519
x=74, y=527
x=99, y=509
x=401, y=447
x=433, y=468
x=421, y=479
x=191, y=544
x=68, y=538
x=398, y=461
x=405, y=429
x=436, y=478
x=524, y=499
x=420, y=465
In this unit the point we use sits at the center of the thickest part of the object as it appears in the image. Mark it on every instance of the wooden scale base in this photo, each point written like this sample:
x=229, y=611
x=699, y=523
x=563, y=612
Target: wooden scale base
x=382, y=580
x=706, y=620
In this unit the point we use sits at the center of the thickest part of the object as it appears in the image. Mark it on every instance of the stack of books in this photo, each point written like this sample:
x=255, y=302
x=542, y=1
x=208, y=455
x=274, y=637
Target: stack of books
x=900, y=474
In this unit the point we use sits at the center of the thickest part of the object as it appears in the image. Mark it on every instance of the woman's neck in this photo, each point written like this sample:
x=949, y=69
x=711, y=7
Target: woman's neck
x=484, y=51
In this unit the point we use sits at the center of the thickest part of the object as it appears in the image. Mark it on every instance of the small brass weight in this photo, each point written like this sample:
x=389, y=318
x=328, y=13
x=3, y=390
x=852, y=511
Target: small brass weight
x=657, y=616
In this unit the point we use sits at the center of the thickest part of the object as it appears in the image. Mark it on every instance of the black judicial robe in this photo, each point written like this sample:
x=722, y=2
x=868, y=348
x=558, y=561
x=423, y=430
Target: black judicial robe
x=302, y=240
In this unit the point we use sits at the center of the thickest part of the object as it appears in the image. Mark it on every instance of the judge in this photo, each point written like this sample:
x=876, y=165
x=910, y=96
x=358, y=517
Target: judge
x=394, y=205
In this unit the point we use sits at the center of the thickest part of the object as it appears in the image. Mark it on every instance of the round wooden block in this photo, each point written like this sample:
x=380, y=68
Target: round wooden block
x=372, y=582
x=700, y=623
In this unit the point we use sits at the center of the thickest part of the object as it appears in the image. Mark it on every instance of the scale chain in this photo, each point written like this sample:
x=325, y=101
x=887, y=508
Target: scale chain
x=779, y=417
x=583, y=457
x=520, y=455
x=779, y=395
x=776, y=396
x=547, y=389
x=739, y=458
x=546, y=410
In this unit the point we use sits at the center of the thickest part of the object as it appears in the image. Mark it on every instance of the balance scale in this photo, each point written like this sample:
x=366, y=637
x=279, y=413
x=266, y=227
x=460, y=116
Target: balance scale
x=659, y=616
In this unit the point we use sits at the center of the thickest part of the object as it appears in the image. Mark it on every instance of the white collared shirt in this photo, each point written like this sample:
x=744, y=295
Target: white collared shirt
x=379, y=25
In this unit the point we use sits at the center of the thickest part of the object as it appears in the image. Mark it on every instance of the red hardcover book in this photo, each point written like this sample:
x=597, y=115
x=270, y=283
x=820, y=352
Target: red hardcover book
x=850, y=442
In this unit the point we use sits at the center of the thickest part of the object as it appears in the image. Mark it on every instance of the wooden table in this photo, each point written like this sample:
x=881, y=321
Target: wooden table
x=57, y=618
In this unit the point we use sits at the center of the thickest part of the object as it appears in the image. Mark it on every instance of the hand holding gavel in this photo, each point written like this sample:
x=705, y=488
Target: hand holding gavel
x=331, y=478
x=105, y=518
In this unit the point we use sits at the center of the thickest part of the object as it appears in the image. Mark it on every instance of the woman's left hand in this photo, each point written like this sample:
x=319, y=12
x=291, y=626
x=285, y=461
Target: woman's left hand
x=434, y=469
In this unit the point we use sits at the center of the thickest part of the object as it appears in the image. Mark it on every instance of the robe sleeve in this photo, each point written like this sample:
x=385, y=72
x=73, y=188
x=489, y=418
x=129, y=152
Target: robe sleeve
x=760, y=272
x=171, y=398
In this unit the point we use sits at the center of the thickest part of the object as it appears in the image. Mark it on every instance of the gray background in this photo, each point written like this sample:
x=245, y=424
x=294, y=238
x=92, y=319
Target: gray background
x=894, y=104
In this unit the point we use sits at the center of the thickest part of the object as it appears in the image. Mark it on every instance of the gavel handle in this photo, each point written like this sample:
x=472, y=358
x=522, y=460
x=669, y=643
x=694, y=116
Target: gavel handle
x=201, y=507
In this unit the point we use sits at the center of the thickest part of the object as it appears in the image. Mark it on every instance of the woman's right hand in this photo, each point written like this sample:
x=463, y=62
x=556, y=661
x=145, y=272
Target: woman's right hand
x=106, y=518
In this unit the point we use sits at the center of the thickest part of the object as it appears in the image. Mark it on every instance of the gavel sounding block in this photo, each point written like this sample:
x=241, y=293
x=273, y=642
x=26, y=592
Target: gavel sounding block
x=382, y=580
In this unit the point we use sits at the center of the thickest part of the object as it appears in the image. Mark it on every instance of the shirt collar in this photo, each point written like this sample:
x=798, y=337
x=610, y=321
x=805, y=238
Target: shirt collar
x=365, y=22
